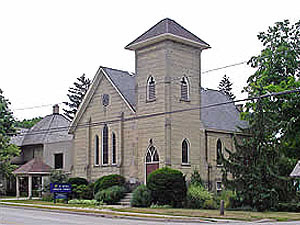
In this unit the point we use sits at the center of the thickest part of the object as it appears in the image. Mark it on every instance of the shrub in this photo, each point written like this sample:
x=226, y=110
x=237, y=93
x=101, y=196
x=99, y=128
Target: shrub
x=82, y=191
x=108, y=181
x=84, y=202
x=210, y=204
x=228, y=196
x=288, y=207
x=197, y=195
x=196, y=178
x=167, y=187
x=111, y=195
x=78, y=181
x=141, y=197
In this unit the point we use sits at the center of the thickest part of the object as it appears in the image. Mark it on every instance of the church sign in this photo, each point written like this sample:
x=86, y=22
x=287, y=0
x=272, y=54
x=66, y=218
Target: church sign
x=60, y=188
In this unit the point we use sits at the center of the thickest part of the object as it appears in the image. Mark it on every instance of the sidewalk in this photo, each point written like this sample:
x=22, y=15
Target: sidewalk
x=107, y=211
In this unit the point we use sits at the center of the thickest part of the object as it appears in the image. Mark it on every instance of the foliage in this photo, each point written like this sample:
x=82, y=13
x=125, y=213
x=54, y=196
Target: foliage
x=108, y=181
x=58, y=176
x=288, y=207
x=228, y=197
x=82, y=191
x=141, y=197
x=259, y=161
x=226, y=86
x=7, y=151
x=197, y=195
x=78, y=181
x=84, y=202
x=76, y=95
x=28, y=123
x=111, y=195
x=196, y=178
x=167, y=186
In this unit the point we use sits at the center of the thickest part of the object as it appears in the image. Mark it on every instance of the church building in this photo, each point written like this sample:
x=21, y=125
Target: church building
x=133, y=123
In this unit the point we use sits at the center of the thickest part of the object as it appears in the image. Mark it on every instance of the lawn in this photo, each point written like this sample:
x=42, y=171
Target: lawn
x=201, y=213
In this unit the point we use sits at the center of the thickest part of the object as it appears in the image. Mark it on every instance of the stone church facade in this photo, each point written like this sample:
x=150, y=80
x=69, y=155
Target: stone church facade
x=134, y=123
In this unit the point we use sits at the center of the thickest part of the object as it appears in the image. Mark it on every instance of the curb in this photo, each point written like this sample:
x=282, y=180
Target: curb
x=112, y=214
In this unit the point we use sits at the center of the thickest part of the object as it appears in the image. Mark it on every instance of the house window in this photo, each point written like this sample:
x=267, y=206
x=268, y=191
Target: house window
x=184, y=89
x=114, y=149
x=219, y=153
x=152, y=155
x=96, y=150
x=105, y=145
x=185, y=152
x=58, y=161
x=151, y=95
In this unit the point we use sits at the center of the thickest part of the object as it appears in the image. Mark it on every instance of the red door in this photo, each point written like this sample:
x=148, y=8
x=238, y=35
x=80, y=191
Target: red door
x=151, y=167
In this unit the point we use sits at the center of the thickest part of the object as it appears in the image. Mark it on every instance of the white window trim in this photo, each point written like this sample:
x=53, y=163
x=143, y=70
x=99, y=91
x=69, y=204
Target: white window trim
x=95, y=150
x=104, y=164
x=188, y=163
x=112, y=152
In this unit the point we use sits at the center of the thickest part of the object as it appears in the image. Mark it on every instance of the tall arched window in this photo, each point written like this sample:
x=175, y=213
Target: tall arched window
x=105, y=145
x=219, y=152
x=185, y=152
x=96, y=150
x=114, y=148
x=151, y=92
x=184, y=89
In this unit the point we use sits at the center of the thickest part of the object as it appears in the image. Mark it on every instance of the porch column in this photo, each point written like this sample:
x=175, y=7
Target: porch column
x=17, y=187
x=30, y=186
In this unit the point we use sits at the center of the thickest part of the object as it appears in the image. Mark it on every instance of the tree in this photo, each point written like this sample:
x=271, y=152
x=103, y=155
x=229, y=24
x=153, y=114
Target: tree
x=7, y=151
x=28, y=123
x=262, y=162
x=226, y=86
x=76, y=95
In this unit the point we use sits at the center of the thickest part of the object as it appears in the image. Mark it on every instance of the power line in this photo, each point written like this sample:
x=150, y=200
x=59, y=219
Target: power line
x=131, y=118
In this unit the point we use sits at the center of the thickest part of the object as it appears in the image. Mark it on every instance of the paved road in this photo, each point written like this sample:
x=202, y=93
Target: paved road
x=21, y=216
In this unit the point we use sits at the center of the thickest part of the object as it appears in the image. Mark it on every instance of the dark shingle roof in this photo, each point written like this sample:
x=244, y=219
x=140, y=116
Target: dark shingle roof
x=222, y=117
x=52, y=128
x=35, y=165
x=167, y=26
x=296, y=170
x=124, y=82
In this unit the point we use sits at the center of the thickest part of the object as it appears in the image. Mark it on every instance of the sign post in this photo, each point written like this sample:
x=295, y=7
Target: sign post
x=60, y=191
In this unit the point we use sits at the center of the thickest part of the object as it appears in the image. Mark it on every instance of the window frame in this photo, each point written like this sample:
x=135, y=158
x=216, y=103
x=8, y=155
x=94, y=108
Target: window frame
x=113, y=148
x=97, y=151
x=148, y=99
x=218, y=152
x=188, y=146
x=187, y=82
x=62, y=160
x=105, y=146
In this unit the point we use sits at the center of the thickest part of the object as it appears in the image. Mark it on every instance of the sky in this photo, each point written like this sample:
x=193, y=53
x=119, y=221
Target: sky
x=46, y=45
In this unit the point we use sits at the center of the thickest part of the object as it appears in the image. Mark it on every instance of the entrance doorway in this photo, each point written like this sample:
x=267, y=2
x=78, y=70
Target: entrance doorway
x=152, y=160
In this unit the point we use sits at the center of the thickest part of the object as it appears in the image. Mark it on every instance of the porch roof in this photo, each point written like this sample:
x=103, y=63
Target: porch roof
x=36, y=166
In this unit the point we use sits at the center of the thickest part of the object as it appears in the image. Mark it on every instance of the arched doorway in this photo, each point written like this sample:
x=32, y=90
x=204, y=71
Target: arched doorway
x=152, y=160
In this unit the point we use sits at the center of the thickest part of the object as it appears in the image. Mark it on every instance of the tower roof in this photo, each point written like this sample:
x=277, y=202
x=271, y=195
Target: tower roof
x=167, y=29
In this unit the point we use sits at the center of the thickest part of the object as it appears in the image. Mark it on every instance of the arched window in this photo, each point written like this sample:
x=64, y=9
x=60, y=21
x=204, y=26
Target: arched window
x=114, y=149
x=152, y=155
x=151, y=92
x=184, y=89
x=219, y=152
x=185, y=151
x=96, y=150
x=105, y=145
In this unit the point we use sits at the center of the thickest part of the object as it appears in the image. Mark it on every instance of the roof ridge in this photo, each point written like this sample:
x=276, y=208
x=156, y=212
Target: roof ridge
x=129, y=72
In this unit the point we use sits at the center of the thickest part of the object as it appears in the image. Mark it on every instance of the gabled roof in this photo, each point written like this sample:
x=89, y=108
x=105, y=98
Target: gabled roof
x=167, y=29
x=296, y=170
x=123, y=82
x=221, y=117
x=34, y=166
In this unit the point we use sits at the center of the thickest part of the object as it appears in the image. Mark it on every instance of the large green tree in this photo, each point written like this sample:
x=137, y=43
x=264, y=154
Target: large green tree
x=28, y=123
x=263, y=160
x=76, y=95
x=7, y=151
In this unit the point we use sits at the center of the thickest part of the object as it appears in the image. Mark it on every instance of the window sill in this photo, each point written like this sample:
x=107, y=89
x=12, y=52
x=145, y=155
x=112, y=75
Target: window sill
x=185, y=164
x=184, y=100
x=150, y=100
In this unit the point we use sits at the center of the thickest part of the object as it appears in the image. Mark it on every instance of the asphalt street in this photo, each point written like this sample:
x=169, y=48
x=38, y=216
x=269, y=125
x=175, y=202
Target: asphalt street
x=24, y=216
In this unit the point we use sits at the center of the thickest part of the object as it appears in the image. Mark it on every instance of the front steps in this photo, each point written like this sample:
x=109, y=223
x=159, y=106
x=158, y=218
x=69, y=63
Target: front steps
x=126, y=200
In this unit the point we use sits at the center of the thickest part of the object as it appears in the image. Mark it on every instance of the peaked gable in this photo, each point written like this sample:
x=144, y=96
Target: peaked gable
x=122, y=81
x=167, y=28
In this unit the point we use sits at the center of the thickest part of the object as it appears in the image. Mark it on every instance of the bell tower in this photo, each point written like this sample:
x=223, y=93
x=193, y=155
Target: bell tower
x=168, y=78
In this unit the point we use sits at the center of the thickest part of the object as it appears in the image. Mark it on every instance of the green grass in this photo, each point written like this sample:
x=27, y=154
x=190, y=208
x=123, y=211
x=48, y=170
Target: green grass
x=200, y=213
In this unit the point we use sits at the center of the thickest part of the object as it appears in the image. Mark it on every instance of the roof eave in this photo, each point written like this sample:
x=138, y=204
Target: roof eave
x=167, y=36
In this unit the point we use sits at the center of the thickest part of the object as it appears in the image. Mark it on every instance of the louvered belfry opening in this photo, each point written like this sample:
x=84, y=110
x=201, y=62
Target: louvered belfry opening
x=151, y=89
x=184, y=89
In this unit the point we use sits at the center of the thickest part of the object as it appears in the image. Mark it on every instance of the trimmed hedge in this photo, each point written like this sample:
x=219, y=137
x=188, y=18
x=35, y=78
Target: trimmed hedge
x=111, y=195
x=141, y=197
x=108, y=181
x=78, y=181
x=167, y=187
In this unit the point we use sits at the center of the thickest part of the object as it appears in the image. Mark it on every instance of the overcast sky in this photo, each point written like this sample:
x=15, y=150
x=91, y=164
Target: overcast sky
x=46, y=45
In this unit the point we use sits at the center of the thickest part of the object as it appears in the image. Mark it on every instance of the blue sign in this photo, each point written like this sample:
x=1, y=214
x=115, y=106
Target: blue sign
x=60, y=188
x=61, y=196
